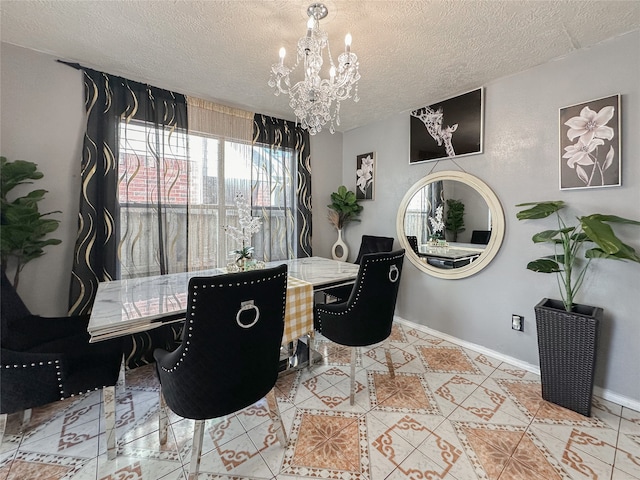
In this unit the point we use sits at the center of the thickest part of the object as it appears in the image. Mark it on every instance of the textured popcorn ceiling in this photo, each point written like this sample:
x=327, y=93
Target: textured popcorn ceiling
x=412, y=53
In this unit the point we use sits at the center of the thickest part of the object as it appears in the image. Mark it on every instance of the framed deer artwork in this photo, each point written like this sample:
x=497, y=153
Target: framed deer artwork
x=448, y=129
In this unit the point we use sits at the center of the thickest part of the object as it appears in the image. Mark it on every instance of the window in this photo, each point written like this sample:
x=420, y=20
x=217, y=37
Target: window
x=167, y=189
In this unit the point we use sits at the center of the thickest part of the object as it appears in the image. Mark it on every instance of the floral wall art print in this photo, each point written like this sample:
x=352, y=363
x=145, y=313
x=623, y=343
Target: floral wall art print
x=590, y=144
x=365, y=171
x=447, y=129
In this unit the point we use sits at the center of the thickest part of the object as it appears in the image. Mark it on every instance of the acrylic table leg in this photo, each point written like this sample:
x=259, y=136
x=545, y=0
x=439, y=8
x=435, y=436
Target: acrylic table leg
x=312, y=347
x=121, y=383
x=109, y=402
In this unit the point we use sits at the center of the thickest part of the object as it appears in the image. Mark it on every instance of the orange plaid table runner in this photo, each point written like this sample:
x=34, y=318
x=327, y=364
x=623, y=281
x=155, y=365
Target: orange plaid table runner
x=298, y=317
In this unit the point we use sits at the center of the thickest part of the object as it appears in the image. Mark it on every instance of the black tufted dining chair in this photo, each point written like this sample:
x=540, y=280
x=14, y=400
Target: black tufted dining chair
x=368, y=244
x=481, y=237
x=230, y=351
x=366, y=317
x=47, y=359
x=373, y=244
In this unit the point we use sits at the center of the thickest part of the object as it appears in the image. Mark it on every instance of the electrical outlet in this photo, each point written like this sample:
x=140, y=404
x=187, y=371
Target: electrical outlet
x=517, y=322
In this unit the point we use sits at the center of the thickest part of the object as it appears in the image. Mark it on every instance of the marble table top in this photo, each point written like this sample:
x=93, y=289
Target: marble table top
x=452, y=251
x=127, y=306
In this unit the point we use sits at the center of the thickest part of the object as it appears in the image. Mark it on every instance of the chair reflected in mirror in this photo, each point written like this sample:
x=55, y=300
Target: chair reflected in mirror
x=480, y=237
x=413, y=243
x=366, y=317
x=46, y=359
x=230, y=352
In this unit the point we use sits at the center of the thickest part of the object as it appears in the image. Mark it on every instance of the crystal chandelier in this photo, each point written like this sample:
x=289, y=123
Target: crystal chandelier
x=312, y=99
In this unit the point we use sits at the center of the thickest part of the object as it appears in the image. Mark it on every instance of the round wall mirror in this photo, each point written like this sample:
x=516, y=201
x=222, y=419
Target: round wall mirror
x=451, y=224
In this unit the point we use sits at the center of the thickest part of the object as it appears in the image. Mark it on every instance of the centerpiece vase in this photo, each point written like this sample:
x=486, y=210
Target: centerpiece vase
x=245, y=263
x=340, y=251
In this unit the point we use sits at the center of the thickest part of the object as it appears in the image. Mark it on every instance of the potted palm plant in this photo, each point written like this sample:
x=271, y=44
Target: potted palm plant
x=344, y=208
x=455, y=218
x=24, y=227
x=568, y=331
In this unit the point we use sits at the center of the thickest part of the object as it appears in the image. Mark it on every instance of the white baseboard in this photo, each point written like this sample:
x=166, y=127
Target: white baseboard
x=614, y=397
x=600, y=392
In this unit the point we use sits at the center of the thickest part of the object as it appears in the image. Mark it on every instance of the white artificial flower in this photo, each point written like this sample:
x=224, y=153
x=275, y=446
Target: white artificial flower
x=437, y=224
x=579, y=152
x=589, y=124
x=248, y=224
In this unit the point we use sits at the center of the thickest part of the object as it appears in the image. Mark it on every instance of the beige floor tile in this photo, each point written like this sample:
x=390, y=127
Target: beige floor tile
x=620, y=475
x=412, y=427
x=627, y=457
x=388, y=448
x=450, y=413
x=446, y=447
x=571, y=456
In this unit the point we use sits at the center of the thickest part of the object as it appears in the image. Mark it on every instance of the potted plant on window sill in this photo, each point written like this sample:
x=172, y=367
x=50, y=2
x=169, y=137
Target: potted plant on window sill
x=344, y=208
x=241, y=259
x=567, y=331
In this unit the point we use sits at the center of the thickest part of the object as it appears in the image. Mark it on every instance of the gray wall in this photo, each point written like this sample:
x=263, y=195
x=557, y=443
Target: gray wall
x=326, y=158
x=42, y=121
x=520, y=163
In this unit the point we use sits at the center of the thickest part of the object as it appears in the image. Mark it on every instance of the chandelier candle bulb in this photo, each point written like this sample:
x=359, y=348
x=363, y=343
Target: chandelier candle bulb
x=347, y=43
x=283, y=52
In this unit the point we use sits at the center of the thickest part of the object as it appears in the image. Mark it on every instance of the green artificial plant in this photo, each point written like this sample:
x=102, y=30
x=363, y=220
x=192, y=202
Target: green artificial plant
x=23, y=226
x=344, y=207
x=575, y=246
x=455, y=218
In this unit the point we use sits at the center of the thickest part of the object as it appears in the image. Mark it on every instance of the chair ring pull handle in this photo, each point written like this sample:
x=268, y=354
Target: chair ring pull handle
x=247, y=306
x=394, y=274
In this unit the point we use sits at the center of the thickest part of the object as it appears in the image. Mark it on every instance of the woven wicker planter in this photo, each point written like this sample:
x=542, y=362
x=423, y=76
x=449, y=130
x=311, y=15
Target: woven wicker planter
x=567, y=344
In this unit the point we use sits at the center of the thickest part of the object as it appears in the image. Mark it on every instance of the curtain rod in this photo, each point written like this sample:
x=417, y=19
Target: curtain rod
x=77, y=66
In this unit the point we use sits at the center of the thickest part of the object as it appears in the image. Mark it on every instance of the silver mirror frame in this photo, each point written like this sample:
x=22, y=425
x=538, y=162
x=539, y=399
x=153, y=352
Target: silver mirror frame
x=497, y=230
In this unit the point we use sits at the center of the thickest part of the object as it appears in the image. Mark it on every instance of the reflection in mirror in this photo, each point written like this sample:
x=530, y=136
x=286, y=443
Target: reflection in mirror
x=451, y=223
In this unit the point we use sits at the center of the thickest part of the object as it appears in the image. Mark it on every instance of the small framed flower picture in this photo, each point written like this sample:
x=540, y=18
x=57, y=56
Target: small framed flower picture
x=590, y=143
x=365, y=175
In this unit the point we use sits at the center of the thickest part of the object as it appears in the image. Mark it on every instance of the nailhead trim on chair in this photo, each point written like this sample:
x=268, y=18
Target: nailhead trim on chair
x=42, y=364
x=58, y=374
x=355, y=301
x=193, y=307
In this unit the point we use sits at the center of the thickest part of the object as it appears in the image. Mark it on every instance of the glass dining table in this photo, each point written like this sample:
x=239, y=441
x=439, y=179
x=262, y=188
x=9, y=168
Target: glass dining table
x=123, y=307
x=453, y=255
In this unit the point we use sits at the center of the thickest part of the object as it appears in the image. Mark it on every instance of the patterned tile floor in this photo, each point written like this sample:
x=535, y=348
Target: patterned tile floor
x=450, y=413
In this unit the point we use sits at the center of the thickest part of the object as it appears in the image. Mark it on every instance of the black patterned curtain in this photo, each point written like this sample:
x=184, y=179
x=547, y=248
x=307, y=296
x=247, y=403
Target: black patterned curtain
x=421, y=208
x=132, y=218
x=281, y=188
